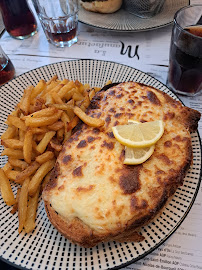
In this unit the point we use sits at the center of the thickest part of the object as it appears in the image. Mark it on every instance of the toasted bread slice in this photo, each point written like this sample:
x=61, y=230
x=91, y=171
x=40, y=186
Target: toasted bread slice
x=92, y=196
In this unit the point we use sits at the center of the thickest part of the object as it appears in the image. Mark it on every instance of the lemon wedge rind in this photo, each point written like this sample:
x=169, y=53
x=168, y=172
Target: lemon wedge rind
x=135, y=156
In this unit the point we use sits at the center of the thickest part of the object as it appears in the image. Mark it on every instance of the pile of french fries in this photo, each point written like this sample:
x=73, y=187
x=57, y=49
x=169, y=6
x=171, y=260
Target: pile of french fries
x=42, y=121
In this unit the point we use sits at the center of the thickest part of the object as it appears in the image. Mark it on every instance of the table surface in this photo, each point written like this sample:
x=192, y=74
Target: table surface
x=152, y=51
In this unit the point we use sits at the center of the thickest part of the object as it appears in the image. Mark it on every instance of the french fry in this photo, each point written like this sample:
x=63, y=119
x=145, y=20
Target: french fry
x=21, y=135
x=9, y=133
x=65, y=89
x=53, y=84
x=81, y=89
x=16, y=122
x=27, y=148
x=56, y=88
x=7, y=167
x=60, y=134
x=39, y=104
x=16, y=112
x=65, y=119
x=13, y=153
x=45, y=141
x=15, y=206
x=56, y=146
x=67, y=135
x=42, y=113
x=97, y=89
x=43, y=121
x=45, y=157
x=56, y=98
x=27, y=172
x=52, y=79
x=77, y=96
x=22, y=204
x=82, y=107
x=70, y=103
x=49, y=99
x=39, y=175
x=38, y=137
x=86, y=86
x=51, y=87
x=17, y=163
x=69, y=108
x=56, y=126
x=79, y=86
x=91, y=94
x=108, y=82
x=90, y=121
x=39, y=130
x=70, y=113
x=70, y=93
x=38, y=89
x=13, y=143
x=72, y=123
x=31, y=212
x=64, y=81
x=64, y=106
x=34, y=146
x=31, y=108
x=25, y=104
x=12, y=174
x=86, y=101
x=44, y=118
x=6, y=191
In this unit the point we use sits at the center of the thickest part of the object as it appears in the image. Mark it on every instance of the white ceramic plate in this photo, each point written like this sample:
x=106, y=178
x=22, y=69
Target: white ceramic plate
x=46, y=248
x=124, y=21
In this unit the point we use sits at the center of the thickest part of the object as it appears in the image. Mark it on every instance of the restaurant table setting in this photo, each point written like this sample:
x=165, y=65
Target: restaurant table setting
x=144, y=45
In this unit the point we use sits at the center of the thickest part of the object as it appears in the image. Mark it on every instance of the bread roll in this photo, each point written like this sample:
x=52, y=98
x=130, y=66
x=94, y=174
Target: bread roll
x=101, y=6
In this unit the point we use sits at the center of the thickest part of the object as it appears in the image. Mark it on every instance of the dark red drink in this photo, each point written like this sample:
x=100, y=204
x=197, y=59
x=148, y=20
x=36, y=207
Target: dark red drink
x=60, y=32
x=185, y=74
x=62, y=36
x=7, y=72
x=18, y=19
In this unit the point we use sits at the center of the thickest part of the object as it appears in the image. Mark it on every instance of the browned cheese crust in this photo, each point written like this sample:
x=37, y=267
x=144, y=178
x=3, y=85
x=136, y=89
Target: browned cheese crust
x=92, y=196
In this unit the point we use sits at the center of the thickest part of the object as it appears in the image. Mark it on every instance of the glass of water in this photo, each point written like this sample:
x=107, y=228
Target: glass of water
x=143, y=8
x=59, y=20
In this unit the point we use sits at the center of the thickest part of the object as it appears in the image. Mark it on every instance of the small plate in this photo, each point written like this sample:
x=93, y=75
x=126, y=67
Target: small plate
x=124, y=21
x=45, y=247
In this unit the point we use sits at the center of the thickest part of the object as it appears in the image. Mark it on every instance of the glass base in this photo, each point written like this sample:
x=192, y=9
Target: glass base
x=143, y=11
x=24, y=37
x=63, y=44
x=193, y=94
x=142, y=15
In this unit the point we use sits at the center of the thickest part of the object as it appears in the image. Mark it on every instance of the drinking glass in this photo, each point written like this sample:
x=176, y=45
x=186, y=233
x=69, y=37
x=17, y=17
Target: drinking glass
x=185, y=63
x=143, y=8
x=59, y=20
x=18, y=18
x=7, y=70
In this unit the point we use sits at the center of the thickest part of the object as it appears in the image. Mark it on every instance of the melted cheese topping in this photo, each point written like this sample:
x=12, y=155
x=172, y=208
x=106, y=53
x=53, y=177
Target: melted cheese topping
x=95, y=198
x=93, y=183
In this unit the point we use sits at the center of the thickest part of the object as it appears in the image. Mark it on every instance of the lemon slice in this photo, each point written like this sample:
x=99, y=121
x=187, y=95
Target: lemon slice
x=139, y=134
x=134, y=156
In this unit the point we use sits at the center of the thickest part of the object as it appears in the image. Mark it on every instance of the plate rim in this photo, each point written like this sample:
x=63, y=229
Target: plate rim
x=200, y=173
x=132, y=30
